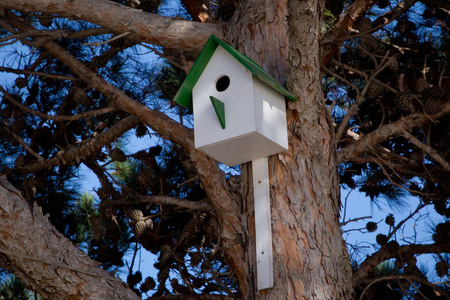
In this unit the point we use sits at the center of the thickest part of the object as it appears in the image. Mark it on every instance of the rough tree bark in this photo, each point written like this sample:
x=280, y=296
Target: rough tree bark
x=310, y=258
x=44, y=259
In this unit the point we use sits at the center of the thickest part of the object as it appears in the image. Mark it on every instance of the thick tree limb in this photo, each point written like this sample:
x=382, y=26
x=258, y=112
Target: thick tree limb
x=386, y=132
x=144, y=27
x=378, y=257
x=29, y=243
x=182, y=203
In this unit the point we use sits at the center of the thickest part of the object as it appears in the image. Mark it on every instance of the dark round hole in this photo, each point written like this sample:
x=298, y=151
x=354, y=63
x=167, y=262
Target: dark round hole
x=222, y=83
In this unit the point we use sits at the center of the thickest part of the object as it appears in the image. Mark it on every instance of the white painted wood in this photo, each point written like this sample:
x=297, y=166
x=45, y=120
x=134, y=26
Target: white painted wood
x=255, y=114
x=270, y=112
x=237, y=98
x=263, y=224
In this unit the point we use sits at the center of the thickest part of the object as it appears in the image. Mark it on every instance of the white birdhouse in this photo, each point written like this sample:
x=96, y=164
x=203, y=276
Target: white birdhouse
x=239, y=110
x=239, y=116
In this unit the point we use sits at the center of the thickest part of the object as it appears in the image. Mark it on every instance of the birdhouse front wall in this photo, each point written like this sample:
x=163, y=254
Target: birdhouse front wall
x=237, y=99
x=255, y=115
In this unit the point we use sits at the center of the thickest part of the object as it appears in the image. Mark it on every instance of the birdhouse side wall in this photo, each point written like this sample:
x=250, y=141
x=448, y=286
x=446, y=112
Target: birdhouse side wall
x=237, y=97
x=270, y=111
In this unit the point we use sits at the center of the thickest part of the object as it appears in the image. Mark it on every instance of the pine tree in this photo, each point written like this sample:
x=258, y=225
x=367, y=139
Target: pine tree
x=81, y=85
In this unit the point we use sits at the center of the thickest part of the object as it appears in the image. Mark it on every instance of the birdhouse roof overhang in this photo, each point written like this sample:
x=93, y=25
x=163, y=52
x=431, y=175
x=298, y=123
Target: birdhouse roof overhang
x=184, y=94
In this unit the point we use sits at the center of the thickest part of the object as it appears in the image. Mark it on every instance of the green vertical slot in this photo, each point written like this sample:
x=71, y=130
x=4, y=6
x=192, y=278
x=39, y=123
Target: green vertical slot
x=219, y=108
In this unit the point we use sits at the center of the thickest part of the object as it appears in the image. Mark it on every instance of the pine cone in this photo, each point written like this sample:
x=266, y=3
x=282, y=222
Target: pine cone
x=117, y=155
x=432, y=106
x=140, y=228
x=392, y=247
x=19, y=125
x=4, y=131
x=141, y=130
x=390, y=220
x=99, y=61
x=404, y=102
x=166, y=255
x=404, y=26
x=381, y=239
x=364, y=24
x=21, y=82
x=375, y=89
x=133, y=279
x=129, y=194
x=393, y=65
x=20, y=160
x=196, y=258
x=421, y=85
x=149, y=224
x=441, y=268
x=134, y=214
x=149, y=284
x=103, y=193
x=371, y=226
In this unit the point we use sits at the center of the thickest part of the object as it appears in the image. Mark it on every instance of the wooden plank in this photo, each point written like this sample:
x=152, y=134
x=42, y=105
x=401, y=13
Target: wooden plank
x=263, y=225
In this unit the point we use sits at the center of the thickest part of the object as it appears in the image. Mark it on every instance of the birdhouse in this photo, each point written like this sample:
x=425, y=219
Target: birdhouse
x=239, y=110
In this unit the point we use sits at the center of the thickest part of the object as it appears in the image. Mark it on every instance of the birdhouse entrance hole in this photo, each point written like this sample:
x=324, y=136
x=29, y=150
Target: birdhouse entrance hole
x=222, y=83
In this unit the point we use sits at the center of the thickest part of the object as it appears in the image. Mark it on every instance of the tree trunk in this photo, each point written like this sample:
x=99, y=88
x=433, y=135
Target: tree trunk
x=310, y=258
x=44, y=259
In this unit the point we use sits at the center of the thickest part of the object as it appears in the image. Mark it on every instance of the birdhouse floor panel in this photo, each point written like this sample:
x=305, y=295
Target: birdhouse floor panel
x=242, y=149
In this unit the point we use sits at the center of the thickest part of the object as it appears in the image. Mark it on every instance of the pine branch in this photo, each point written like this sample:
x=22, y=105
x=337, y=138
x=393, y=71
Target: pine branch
x=144, y=27
x=76, y=154
x=381, y=255
x=386, y=132
x=341, y=30
x=402, y=276
x=436, y=3
x=56, y=118
x=342, y=27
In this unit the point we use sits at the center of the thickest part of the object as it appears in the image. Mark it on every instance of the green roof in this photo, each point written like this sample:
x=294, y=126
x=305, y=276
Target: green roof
x=184, y=94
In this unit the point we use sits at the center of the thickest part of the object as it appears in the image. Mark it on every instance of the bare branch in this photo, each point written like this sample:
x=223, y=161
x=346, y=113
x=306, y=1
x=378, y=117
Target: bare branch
x=57, y=118
x=402, y=276
x=23, y=144
x=378, y=257
x=433, y=153
x=45, y=75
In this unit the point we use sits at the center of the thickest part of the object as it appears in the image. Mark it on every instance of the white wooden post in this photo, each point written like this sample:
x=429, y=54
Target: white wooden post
x=263, y=224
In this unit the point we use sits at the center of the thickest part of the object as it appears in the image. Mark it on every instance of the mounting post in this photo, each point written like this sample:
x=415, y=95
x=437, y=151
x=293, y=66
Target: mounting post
x=263, y=226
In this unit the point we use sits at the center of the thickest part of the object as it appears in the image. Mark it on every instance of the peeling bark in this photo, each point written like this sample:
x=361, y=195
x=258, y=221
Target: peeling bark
x=46, y=260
